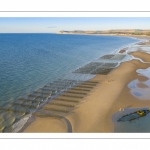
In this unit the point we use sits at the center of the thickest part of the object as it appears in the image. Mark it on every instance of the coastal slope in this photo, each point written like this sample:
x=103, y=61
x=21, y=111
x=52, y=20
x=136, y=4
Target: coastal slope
x=110, y=95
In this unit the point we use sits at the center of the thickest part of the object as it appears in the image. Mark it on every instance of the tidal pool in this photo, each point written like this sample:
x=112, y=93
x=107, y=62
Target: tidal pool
x=140, y=125
x=140, y=87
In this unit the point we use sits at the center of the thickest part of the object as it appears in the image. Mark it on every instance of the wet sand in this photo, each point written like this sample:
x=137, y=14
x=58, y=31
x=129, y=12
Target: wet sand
x=122, y=51
x=139, y=54
x=45, y=125
x=94, y=113
x=142, y=85
x=142, y=78
x=146, y=43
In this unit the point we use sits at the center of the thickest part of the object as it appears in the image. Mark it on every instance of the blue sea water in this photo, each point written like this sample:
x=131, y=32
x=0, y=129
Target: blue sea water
x=29, y=61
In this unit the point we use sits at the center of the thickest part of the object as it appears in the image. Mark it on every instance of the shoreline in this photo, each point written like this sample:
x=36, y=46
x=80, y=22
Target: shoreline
x=105, y=100
x=94, y=113
x=27, y=103
x=130, y=36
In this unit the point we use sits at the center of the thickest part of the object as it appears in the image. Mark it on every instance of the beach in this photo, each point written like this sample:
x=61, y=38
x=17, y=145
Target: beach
x=93, y=113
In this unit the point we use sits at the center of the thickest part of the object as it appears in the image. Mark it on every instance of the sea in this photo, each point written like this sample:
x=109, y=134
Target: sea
x=30, y=61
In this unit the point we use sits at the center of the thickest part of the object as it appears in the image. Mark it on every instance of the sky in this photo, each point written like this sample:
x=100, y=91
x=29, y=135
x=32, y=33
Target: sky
x=54, y=24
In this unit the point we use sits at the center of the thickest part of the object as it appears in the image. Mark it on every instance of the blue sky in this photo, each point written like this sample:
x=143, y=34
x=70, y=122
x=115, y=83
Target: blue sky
x=54, y=24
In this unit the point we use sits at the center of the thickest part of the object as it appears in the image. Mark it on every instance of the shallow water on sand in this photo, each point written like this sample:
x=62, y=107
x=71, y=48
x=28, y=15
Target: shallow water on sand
x=140, y=87
x=140, y=125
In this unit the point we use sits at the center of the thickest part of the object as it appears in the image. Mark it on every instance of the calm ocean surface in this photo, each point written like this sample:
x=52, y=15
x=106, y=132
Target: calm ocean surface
x=29, y=61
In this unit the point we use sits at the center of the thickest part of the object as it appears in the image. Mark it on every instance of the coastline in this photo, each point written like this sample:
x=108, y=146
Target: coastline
x=107, y=99
x=124, y=35
x=94, y=113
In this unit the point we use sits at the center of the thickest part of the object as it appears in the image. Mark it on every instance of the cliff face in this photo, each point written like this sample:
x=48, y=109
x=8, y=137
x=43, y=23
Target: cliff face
x=118, y=32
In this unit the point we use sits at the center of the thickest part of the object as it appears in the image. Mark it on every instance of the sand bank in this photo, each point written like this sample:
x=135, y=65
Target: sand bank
x=45, y=125
x=94, y=113
x=144, y=56
x=107, y=98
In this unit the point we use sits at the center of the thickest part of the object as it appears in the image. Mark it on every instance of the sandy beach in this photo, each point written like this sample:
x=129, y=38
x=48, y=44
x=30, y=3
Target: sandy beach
x=93, y=113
